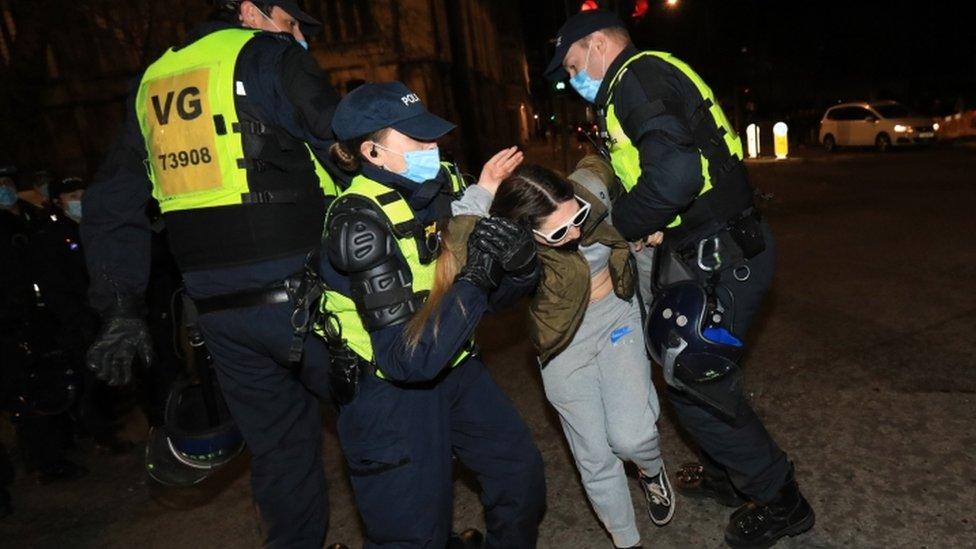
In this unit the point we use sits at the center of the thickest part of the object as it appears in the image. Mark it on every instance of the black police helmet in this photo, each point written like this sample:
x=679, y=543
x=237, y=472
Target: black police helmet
x=684, y=334
x=189, y=449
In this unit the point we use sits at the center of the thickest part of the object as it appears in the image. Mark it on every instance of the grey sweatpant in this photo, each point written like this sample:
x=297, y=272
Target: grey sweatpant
x=601, y=387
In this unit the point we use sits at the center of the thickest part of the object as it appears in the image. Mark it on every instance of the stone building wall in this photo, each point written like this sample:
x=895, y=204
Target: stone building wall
x=66, y=67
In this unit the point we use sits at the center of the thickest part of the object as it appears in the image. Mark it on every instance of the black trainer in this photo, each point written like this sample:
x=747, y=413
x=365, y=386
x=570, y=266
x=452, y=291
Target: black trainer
x=660, y=497
x=693, y=482
x=758, y=526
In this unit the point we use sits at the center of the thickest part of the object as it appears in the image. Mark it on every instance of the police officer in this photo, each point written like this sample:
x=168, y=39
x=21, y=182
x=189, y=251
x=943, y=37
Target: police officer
x=59, y=262
x=24, y=335
x=406, y=313
x=227, y=132
x=58, y=265
x=680, y=164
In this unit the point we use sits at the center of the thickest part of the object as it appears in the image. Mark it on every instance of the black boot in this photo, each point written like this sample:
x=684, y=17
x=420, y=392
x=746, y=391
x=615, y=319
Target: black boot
x=693, y=481
x=468, y=539
x=757, y=526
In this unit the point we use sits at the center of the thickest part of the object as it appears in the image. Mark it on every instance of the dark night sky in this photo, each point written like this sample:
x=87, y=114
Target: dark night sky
x=805, y=54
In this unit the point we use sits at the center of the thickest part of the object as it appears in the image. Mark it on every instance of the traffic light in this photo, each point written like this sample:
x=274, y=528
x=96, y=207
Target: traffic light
x=640, y=10
x=589, y=5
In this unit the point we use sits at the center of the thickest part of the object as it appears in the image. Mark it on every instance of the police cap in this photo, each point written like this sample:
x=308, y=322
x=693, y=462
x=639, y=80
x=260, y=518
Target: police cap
x=576, y=27
x=308, y=24
x=68, y=184
x=374, y=106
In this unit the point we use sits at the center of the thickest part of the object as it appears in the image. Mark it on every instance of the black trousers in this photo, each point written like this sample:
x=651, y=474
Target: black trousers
x=277, y=410
x=742, y=449
x=398, y=443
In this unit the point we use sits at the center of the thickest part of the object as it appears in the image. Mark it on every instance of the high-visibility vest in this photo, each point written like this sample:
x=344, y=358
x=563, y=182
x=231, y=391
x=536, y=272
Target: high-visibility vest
x=624, y=156
x=340, y=309
x=186, y=107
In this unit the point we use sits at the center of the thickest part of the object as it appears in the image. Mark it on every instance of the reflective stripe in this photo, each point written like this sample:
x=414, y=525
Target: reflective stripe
x=340, y=308
x=328, y=185
x=625, y=157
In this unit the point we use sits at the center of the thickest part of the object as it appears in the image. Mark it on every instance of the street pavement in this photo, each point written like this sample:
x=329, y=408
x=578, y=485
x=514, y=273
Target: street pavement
x=862, y=367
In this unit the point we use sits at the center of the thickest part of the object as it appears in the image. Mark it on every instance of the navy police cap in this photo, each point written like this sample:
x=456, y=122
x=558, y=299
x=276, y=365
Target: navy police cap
x=576, y=27
x=308, y=24
x=374, y=106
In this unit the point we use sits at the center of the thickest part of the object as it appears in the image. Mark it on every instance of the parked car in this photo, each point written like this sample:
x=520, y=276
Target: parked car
x=958, y=125
x=882, y=124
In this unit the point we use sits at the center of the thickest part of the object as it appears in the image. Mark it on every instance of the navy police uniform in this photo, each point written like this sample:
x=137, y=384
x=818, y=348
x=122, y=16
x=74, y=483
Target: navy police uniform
x=415, y=408
x=240, y=183
x=679, y=162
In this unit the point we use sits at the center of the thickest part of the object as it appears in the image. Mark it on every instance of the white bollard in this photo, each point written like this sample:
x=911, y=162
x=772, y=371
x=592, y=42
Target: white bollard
x=752, y=140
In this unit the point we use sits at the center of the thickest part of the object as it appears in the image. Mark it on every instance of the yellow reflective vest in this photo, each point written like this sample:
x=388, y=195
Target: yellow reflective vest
x=625, y=157
x=186, y=109
x=340, y=309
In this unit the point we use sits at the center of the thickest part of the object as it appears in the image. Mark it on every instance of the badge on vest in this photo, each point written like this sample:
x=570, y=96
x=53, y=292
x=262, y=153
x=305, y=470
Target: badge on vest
x=181, y=139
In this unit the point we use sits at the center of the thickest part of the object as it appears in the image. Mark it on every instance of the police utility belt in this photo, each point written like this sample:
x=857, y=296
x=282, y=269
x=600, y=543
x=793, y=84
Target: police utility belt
x=302, y=289
x=729, y=248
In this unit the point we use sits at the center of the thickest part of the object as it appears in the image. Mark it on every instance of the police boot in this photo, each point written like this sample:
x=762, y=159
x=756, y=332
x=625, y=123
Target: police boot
x=693, y=481
x=468, y=539
x=757, y=526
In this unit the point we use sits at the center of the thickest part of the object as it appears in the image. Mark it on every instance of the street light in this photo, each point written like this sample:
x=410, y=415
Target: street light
x=671, y=3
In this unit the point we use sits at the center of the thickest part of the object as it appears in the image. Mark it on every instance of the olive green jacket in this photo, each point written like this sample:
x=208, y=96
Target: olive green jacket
x=560, y=301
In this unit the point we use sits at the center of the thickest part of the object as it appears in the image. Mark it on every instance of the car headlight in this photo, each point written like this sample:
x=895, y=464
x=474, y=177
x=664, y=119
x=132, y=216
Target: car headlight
x=935, y=126
x=902, y=129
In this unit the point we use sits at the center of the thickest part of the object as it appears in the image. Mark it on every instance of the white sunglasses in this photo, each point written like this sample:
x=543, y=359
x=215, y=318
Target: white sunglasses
x=560, y=232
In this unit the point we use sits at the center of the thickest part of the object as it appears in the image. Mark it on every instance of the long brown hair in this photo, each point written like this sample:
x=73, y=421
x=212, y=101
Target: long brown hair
x=444, y=272
x=530, y=194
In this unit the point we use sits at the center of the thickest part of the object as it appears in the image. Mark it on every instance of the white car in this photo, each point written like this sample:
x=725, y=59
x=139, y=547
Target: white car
x=881, y=124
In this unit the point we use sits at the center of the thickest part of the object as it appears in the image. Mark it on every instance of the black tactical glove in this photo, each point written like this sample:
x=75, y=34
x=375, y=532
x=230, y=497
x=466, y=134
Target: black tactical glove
x=124, y=336
x=481, y=269
x=509, y=243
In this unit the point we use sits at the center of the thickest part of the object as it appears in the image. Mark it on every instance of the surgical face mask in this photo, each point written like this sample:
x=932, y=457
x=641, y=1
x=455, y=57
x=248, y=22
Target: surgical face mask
x=73, y=209
x=303, y=43
x=8, y=197
x=422, y=165
x=584, y=85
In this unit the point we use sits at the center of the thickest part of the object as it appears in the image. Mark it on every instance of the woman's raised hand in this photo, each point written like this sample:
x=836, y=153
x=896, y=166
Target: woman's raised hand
x=499, y=167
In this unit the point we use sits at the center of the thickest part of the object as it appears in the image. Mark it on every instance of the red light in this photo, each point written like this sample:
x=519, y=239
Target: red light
x=640, y=9
x=591, y=5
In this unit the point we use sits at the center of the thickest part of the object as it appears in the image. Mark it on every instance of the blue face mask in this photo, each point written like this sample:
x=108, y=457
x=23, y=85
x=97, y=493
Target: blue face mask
x=303, y=43
x=73, y=209
x=584, y=85
x=8, y=197
x=422, y=165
